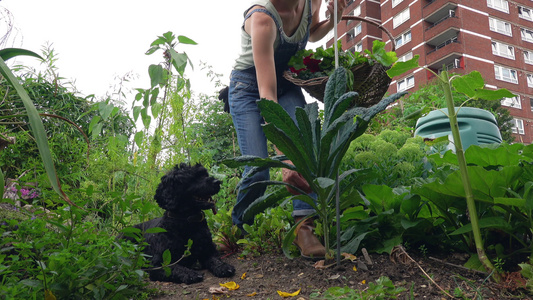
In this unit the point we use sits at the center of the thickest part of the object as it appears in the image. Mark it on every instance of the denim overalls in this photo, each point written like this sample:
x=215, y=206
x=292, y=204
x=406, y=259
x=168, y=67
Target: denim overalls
x=243, y=94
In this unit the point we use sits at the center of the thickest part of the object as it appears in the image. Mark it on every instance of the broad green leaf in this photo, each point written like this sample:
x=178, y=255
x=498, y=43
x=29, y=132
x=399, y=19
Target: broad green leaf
x=94, y=121
x=401, y=67
x=37, y=129
x=156, y=109
x=145, y=118
x=185, y=40
x=169, y=37
x=353, y=245
x=167, y=257
x=179, y=61
x=307, y=131
x=153, y=96
x=490, y=222
x=155, y=230
x=493, y=94
x=152, y=50
x=139, y=137
x=105, y=110
x=264, y=202
x=156, y=75
x=518, y=202
x=96, y=130
x=468, y=84
x=389, y=244
x=159, y=41
x=8, y=53
x=136, y=112
x=381, y=55
x=324, y=182
x=485, y=156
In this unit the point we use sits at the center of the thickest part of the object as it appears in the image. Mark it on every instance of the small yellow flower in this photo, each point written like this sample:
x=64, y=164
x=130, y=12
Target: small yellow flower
x=231, y=285
x=285, y=295
x=363, y=282
x=251, y=294
x=243, y=276
x=354, y=268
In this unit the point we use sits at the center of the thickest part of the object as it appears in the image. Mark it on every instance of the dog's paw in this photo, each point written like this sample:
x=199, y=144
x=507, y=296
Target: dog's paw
x=190, y=276
x=224, y=270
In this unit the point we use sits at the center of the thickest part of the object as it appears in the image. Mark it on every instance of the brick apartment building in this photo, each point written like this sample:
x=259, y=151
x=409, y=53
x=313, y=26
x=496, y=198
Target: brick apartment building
x=494, y=37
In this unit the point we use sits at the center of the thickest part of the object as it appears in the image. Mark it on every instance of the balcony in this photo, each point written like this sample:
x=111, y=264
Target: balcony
x=438, y=7
x=451, y=63
x=443, y=50
x=443, y=38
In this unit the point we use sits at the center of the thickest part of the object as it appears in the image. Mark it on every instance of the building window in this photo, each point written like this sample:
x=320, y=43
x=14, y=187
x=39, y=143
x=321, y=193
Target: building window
x=403, y=39
x=513, y=102
x=504, y=50
x=505, y=74
x=525, y=13
x=401, y=18
x=528, y=57
x=518, y=126
x=527, y=35
x=502, y=5
x=406, y=83
x=359, y=47
x=356, y=11
x=500, y=26
x=352, y=33
x=531, y=103
x=530, y=80
x=396, y=2
x=407, y=56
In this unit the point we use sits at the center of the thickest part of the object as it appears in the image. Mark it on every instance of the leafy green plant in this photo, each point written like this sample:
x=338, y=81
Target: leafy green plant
x=164, y=102
x=383, y=288
x=473, y=86
x=315, y=148
x=60, y=255
x=307, y=63
x=34, y=118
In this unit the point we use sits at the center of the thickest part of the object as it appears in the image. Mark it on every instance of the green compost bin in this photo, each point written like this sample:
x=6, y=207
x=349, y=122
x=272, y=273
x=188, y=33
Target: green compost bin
x=476, y=126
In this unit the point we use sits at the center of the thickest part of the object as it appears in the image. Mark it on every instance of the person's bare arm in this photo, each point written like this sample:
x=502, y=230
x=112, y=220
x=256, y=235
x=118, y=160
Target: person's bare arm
x=263, y=31
x=319, y=29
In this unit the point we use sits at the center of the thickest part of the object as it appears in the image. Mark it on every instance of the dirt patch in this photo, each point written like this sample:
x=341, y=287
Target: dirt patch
x=267, y=274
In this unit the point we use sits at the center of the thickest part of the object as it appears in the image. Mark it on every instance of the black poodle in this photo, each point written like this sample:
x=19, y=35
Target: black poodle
x=184, y=193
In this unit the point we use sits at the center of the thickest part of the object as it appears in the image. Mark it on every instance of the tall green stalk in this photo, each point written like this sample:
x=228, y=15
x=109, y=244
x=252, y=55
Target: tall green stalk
x=445, y=83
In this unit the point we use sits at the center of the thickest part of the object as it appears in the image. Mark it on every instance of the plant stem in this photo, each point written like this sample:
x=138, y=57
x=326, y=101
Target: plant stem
x=470, y=202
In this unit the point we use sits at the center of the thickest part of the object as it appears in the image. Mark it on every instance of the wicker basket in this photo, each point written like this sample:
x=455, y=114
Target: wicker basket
x=371, y=82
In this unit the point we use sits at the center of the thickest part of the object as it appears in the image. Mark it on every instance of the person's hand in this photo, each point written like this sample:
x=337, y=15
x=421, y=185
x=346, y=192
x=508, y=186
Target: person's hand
x=341, y=5
x=294, y=178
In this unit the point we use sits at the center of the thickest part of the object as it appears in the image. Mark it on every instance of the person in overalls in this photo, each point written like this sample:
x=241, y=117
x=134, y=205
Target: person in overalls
x=273, y=31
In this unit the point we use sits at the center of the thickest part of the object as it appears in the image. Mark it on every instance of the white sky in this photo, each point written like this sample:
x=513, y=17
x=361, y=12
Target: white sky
x=99, y=40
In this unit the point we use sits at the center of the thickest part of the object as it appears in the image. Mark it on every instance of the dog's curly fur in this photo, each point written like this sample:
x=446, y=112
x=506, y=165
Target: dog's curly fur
x=184, y=193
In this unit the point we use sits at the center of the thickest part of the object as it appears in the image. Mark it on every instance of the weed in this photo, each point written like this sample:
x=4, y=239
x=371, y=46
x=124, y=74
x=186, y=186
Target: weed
x=383, y=288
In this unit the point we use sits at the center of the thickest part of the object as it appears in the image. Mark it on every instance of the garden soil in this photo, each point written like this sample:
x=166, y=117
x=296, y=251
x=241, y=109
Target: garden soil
x=262, y=277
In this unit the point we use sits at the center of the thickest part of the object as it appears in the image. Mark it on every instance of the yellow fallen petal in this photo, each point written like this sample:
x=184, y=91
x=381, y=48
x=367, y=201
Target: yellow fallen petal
x=354, y=268
x=48, y=295
x=231, y=285
x=252, y=294
x=349, y=256
x=363, y=282
x=243, y=275
x=285, y=295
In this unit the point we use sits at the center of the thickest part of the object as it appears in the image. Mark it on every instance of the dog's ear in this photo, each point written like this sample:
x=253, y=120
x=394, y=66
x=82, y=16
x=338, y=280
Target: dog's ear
x=173, y=187
x=163, y=195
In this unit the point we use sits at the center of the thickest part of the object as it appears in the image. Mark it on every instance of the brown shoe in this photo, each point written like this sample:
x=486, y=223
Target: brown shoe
x=309, y=245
